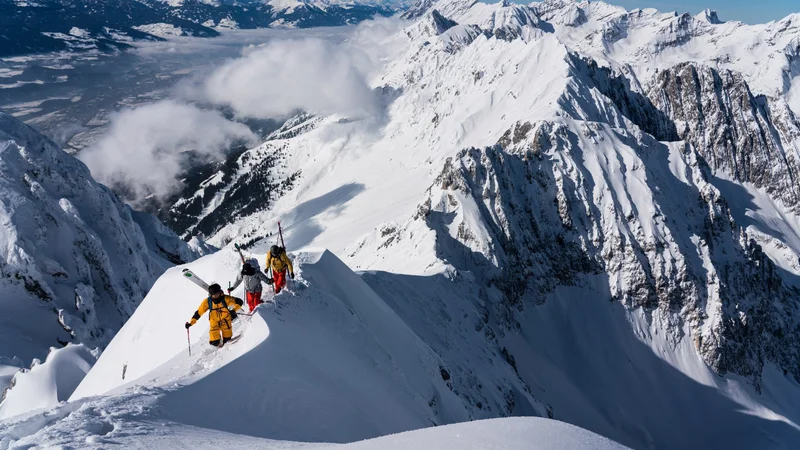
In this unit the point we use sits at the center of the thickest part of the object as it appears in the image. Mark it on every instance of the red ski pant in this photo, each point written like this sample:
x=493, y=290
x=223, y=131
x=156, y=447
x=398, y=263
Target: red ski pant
x=253, y=300
x=280, y=280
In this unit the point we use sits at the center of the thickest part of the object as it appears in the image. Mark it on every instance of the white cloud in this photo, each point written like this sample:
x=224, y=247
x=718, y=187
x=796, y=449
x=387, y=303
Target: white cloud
x=375, y=43
x=141, y=152
x=321, y=76
x=285, y=76
x=327, y=73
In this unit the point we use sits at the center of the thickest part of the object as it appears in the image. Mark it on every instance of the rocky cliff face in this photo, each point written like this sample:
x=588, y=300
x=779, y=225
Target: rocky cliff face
x=750, y=138
x=557, y=206
x=593, y=192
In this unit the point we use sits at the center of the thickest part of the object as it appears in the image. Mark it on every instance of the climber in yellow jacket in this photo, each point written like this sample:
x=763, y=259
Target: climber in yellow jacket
x=220, y=314
x=279, y=262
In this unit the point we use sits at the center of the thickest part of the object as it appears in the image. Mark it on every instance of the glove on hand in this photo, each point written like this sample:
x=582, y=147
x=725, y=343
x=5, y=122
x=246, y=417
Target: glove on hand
x=188, y=325
x=233, y=315
x=292, y=275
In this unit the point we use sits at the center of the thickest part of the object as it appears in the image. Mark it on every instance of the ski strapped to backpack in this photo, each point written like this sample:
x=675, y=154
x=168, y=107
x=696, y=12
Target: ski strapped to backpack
x=280, y=232
x=188, y=274
x=283, y=246
x=239, y=249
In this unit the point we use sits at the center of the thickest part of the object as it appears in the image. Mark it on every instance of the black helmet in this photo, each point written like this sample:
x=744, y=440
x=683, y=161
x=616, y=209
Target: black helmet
x=214, y=289
x=275, y=250
x=248, y=269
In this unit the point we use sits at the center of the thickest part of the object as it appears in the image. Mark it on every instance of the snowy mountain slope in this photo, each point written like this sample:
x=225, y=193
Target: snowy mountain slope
x=600, y=368
x=530, y=175
x=75, y=260
x=329, y=362
x=247, y=182
x=513, y=433
x=48, y=383
x=649, y=41
x=331, y=353
x=479, y=221
x=131, y=422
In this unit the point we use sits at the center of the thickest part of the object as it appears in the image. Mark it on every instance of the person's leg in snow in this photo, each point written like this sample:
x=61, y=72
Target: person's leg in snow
x=227, y=331
x=213, y=335
x=253, y=300
x=280, y=280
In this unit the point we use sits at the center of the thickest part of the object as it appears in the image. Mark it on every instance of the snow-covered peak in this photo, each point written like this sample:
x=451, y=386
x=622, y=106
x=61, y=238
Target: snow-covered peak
x=710, y=16
x=429, y=25
x=452, y=8
x=286, y=5
x=504, y=20
x=418, y=9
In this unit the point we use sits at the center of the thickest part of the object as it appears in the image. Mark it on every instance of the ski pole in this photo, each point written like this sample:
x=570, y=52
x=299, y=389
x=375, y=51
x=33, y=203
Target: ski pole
x=272, y=275
x=189, y=340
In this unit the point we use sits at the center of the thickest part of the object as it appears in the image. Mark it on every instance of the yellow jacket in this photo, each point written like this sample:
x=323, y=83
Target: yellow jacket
x=280, y=263
x=219, y=312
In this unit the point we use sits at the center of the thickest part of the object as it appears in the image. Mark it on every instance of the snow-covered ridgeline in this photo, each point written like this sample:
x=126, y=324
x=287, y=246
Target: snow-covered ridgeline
x=503, y=75
x=331, y=361
x=652, y=49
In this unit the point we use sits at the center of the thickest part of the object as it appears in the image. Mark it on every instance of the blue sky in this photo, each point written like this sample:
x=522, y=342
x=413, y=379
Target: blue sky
x=747, y=11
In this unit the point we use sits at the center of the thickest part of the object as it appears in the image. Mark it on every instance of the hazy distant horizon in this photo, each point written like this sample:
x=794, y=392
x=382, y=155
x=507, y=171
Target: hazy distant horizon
x=743, y=11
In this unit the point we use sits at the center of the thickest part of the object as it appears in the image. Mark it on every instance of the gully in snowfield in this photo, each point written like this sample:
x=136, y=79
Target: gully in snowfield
x=220, y=314
x=279, y=262
x=252, y=277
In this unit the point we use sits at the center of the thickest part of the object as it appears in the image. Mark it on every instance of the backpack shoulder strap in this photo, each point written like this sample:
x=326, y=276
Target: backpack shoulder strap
x=209, y=306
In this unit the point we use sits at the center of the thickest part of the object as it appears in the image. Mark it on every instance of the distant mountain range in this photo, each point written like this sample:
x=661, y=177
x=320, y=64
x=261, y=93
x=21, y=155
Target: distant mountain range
x=42, y=26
